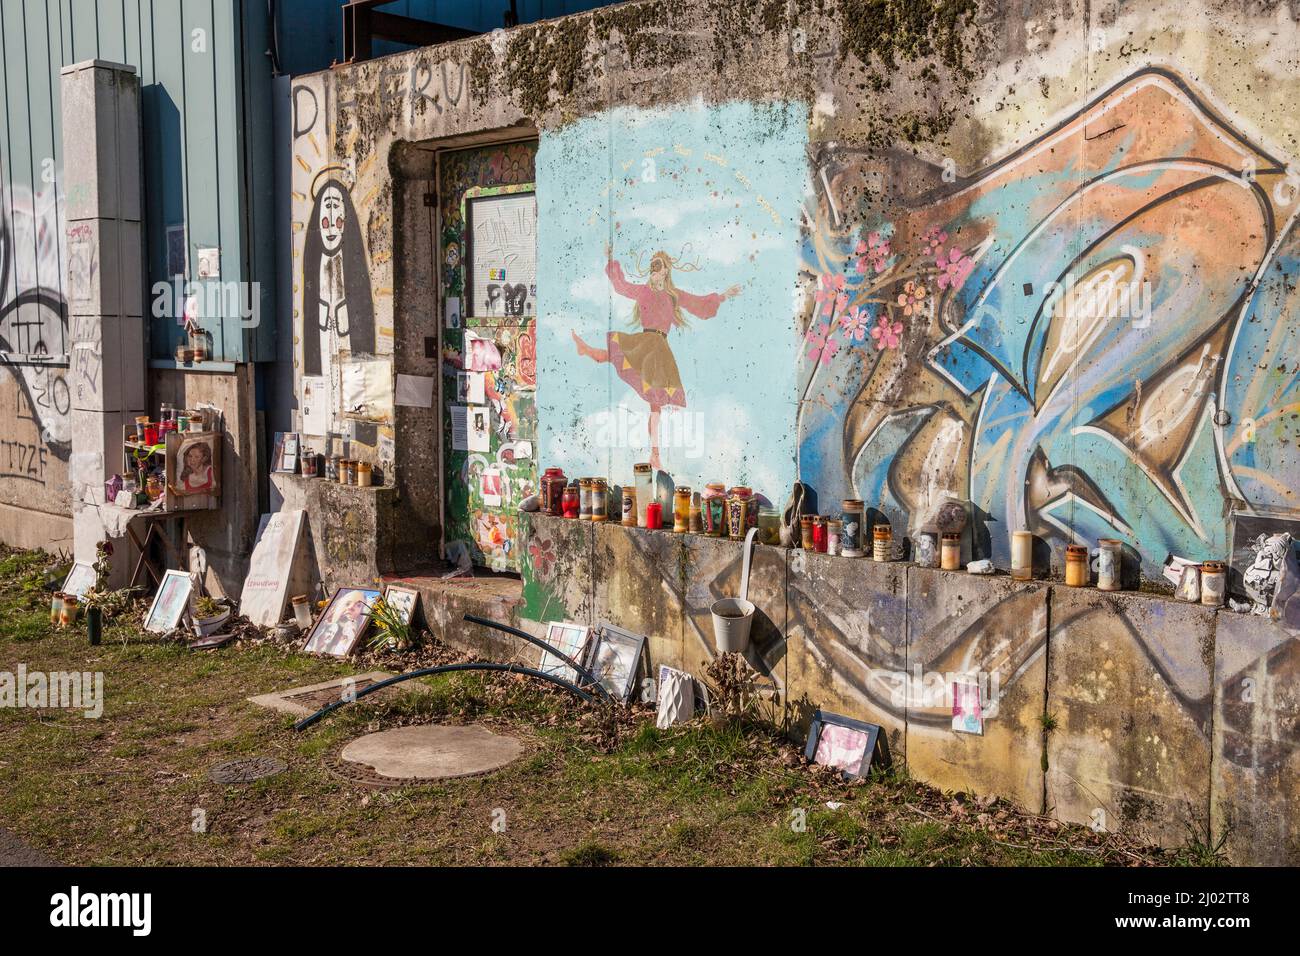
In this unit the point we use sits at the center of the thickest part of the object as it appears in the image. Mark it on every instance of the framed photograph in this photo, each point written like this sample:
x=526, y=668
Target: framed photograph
x=285, y=459
x=405, y=600
x=846, y=744
x=1259, y=553
x=570, y=639
x=967, y=712
x=344, y=622
x=615, y=659
x=170, y=603
x=80, y=580
x=194, y=467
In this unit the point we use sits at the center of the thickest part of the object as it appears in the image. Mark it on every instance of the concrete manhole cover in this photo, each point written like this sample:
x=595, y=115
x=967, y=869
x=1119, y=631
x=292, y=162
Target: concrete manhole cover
x=246, y=770
x=432, y=752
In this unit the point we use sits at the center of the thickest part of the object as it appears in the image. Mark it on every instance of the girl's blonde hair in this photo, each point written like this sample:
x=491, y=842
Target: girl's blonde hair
x=662, y=261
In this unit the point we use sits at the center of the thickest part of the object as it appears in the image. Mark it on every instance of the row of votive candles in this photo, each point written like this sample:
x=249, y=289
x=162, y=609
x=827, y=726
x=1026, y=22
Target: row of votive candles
x=1205, y=582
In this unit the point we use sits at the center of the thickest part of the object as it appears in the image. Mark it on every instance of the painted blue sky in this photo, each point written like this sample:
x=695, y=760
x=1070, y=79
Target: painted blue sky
x=719, y=188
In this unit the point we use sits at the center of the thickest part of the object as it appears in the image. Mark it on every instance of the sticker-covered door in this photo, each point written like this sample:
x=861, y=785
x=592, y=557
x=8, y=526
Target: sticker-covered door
x=489, y=294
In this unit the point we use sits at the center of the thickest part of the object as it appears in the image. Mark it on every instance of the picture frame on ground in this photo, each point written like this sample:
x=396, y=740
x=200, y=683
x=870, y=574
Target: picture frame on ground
x=170, y=603
x=343, y=623
x=570, y=639
x=80, y=579
x=285, y=459
x=615, y=659
x=846, y=744
x=403, y=600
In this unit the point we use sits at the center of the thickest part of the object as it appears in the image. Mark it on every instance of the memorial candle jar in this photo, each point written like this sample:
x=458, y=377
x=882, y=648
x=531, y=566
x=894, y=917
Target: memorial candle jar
x=682, y=509
x=769, y=526
x=950, y=552
x=697, y=514
x=806, y=533
x=819, y=534
x=1189, y=584
x=599, y=499
x=629, y=507
x=584, y=499
x=851, y=528
x=834, y=532
x=68, y=610
x=310, y=465
x=654, y=515
x=1110, y=559
x=1022, y=556
x=713, y=509
x=56, y=607
x=553, y=484
x=739, y=501
x=332, y=468
x=365, y=474
x=644, y=483
x=1076, y=566
x=1214, y=583
x=571, y=503
x=882, y=542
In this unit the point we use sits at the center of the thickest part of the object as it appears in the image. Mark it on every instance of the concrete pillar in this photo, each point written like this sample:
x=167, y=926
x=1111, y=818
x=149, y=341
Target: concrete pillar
x=106, y=286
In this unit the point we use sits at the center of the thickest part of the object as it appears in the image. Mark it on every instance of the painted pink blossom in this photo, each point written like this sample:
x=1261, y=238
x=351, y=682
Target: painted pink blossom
x=831, y=296
x=822, y=345
x=874, y=252
x=954, y=266
x=886, y=333
x=912, y=298
x=855, y=324
x=934, y=239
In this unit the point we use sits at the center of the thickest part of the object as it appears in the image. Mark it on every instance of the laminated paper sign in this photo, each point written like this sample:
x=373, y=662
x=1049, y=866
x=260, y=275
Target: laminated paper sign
x=415, y=391
x=315, y=405
x=367, y=389
x=270, y=570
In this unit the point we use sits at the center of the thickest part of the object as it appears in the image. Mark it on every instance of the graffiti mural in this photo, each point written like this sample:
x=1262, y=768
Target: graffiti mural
x=34, y=322
x=339, y=312
x=669, y=248
x=1087, y=339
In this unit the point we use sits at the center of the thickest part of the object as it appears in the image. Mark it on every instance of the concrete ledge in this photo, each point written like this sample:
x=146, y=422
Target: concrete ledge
x=1172, y=721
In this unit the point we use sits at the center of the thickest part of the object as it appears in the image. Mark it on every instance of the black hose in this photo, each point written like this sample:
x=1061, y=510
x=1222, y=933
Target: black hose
x=444, y=669
x=581, y=671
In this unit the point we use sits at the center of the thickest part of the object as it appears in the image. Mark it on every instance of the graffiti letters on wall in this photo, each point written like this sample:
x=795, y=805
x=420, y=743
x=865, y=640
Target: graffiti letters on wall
x=1093, y=337
x=667, y=256
x=35, y=394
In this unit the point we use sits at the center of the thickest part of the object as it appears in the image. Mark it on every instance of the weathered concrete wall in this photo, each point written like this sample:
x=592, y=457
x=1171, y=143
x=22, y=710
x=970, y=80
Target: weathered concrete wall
x=227, y=534
x=895, y=206
x=1127, y=712
x=35, y=398
x=1040, y=257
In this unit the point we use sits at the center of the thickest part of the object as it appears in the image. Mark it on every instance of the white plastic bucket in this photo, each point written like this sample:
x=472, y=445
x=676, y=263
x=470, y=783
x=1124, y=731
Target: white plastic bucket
x=732, y=617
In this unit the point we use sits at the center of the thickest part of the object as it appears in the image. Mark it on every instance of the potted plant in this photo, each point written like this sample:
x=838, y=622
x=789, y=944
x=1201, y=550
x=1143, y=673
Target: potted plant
x=209, y=616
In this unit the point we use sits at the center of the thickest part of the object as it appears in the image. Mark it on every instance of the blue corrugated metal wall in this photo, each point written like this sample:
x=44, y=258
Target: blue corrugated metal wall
x=207, y=103
x=207, y=134
x=311, y=31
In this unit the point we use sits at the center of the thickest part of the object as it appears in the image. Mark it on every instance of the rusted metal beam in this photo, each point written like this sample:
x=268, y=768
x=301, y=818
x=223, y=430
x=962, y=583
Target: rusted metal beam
x=363, y=24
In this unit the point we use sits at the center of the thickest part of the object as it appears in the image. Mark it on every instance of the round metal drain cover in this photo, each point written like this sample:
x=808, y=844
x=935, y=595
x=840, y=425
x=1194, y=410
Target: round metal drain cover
x=247, y=769
x=425, y=753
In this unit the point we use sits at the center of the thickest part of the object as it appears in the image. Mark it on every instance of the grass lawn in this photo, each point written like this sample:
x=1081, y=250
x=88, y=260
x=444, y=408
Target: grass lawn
x=124, y=789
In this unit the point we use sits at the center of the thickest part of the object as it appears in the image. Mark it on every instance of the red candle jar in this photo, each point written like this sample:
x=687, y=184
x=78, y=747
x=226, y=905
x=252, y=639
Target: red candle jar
x=571, y=502
x=151, y=433
x=553, y=485
x=654, y=514
x=819, y=534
